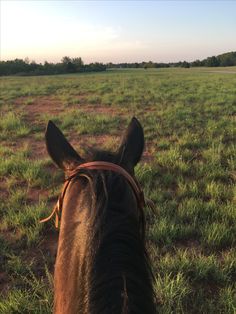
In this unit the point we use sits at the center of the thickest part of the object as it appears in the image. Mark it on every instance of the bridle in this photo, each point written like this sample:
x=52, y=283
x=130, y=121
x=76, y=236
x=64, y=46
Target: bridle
x=99, y=165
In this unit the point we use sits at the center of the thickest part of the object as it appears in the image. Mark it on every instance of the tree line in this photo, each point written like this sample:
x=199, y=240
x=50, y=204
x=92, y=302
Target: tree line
x=223, y=60
x=76, y=65
x=67, y=65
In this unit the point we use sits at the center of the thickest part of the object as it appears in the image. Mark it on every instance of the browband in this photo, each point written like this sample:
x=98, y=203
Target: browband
x=99, y=165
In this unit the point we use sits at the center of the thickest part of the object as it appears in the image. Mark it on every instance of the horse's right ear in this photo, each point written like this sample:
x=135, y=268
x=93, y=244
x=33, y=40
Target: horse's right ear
x=132, y=145
x=59, y=149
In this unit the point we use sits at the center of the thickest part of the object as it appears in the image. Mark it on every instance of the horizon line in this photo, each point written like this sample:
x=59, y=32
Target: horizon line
x=117, y=62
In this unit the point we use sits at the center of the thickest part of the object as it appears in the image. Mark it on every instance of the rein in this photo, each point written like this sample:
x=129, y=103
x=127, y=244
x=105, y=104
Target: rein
x=99, y=165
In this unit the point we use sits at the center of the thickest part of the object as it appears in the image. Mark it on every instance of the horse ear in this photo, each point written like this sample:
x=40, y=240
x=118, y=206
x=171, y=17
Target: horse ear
x=59, y=149
x=132, y=145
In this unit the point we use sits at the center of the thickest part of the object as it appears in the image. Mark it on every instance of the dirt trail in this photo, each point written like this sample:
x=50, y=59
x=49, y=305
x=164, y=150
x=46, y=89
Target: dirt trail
x=40, y=105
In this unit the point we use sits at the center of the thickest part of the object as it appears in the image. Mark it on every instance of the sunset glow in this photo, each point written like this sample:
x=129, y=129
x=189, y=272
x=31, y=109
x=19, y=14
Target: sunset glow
x=117, y=31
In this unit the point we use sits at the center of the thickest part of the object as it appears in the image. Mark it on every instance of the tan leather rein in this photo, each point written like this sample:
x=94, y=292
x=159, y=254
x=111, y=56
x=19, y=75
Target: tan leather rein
x=99, y=165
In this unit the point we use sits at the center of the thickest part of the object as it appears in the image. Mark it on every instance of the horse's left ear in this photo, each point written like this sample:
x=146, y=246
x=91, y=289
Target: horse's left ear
x=60, y=150
x=132, y=145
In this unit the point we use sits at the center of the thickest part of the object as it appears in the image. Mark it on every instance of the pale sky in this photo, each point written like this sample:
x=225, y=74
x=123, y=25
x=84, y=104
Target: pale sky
x=117, y=31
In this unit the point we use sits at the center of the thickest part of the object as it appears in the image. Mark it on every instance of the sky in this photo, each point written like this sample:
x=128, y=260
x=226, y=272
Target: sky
x=116, y=31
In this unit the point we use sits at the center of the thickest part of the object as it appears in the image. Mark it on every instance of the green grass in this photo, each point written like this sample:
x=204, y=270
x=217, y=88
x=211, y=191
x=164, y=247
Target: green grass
x=12, y=126
x=19, y=166
x=33, y=295
x=188, y=117
x=91, y=124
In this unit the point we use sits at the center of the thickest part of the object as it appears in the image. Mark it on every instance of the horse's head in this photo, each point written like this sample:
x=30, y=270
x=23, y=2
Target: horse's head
x=101, y=243
x=122, y=162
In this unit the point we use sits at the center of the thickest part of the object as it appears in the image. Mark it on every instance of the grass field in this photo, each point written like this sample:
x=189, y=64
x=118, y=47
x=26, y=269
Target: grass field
x=188, y=169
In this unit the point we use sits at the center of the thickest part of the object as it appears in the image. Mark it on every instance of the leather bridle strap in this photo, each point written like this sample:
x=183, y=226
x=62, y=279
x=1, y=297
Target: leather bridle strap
x=103, y=165
x=57, y=208
x=100, y=165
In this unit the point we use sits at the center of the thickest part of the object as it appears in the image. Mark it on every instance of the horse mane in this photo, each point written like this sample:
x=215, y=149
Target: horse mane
x=116, y=256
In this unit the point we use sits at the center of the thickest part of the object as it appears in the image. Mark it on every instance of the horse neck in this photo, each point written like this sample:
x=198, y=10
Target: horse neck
x=101, y=264
x=69, y=289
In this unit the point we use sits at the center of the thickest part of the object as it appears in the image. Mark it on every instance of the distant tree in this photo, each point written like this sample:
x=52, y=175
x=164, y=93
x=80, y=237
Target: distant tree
x=149, y=65
x=66, y=60
x=33, y=66
x=185, y=64
x=196, y=63
x=78, y=64
x=110, y=65
x=227, y=59
x=68, y=65
x=94, y=67
x=212, y=62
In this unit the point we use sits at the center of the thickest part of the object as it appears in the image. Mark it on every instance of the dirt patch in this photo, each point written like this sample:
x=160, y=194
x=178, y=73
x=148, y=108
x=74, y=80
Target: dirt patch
x=190, y=245
x=85, y=141
x=10, y=235
x=40, y=105
x=38, y=148
x=34, y=195
x=147, y=157
x=4, y=283
x=47, y=247
x=3, y=189
x=49, y=244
